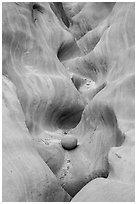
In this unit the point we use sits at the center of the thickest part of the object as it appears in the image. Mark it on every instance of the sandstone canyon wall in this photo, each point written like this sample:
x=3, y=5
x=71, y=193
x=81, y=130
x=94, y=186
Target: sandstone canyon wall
x=68, y=101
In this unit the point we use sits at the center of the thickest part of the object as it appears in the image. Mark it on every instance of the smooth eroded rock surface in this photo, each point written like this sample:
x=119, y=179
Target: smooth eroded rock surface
x=69, y=142
x=102, y=190
x=68, y=68
x=25, y=176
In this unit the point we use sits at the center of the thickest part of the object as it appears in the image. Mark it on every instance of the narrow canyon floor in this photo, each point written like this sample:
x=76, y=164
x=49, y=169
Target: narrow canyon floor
x=68, y=101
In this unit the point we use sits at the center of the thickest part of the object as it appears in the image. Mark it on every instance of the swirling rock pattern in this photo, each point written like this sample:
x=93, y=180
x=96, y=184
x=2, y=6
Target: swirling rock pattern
x=25, y=175
x=108, y=58
x=68, y=73
x=30, y=61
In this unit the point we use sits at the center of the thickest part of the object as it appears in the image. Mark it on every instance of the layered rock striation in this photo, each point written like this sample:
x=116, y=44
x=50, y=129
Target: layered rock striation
x=68, y=101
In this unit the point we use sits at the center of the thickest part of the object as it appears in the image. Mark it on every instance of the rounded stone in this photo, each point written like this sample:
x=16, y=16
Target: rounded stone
x=69, y=142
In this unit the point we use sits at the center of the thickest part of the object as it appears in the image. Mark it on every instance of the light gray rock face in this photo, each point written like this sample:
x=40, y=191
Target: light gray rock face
x=25, y=175
x=68, y=101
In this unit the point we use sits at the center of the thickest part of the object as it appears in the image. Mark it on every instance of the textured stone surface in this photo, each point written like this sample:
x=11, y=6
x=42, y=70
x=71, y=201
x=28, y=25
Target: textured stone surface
x=109, y=59
x=25, y=175
x=102, y=190
x=68, y=76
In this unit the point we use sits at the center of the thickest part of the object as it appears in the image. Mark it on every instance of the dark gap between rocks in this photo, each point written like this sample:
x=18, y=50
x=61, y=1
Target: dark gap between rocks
x=58, y=9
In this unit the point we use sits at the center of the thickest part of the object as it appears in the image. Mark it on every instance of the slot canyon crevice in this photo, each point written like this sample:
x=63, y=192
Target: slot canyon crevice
x=68, y=101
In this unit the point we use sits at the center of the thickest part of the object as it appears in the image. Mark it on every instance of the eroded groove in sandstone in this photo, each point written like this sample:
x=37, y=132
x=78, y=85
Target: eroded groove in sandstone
x=68, y=101
x=58, y=9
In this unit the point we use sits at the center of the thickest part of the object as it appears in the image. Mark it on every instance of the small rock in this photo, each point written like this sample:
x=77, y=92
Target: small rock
x=65, y=133
x=69, y=142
